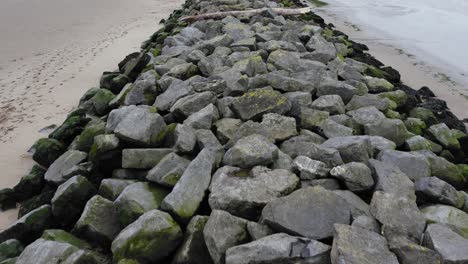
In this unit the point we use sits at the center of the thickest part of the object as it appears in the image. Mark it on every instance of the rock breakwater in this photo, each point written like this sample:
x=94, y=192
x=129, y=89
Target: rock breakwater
x=251, y=139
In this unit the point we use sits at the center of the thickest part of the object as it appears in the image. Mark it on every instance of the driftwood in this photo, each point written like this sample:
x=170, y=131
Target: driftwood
x=247, y=13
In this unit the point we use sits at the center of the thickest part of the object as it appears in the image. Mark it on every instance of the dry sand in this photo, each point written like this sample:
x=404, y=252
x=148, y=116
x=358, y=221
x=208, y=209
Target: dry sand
x=416, y=70
x=51, y=52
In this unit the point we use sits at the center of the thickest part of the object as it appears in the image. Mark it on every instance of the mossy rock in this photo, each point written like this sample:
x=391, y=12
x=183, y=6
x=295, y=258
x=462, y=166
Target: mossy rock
x=10, y=249
x=88, y=95
x=102, y=145
x=47, y=150
x=415, y=125
x=86, y=139
x=30, y=184
x=114, y=81
x=7, y=200
x=63, y=236
x=424, y=114
x=375, y=72
x=72, y=127
x=392, y=114
x=398, y=96
x=99, y=104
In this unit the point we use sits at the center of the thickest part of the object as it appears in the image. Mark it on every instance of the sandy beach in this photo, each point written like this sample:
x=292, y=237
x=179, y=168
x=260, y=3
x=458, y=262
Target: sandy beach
x=52, y=52
x=392, y=31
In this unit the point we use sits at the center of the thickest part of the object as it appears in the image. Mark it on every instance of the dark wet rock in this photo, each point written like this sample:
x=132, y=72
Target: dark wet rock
x=71, y=127
x=193, y=249
x=10, y=249
x=279, y=248
x=47, y=150
x=29, y=185
x=292, y=213
x=244, y=193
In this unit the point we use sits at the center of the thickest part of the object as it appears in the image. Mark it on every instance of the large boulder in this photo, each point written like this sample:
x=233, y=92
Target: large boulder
x=99, y=221
x=356, y=245
x=70, y=198
x=152, y=237
x=224, y=231
x=391, y=179
x=139, y=125
x=451, y=246
x=245, y=194
x=251, y=151
x=58, y=171
x=136, y=199
x=294, y=213
x=279, y=248
x=188, y=193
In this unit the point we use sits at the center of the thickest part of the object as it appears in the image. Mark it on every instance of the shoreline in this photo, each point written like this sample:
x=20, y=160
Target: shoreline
x=415, y=72
x=54, y=83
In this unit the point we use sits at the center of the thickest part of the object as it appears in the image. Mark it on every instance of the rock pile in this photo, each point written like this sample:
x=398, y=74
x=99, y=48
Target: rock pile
x=261, y=139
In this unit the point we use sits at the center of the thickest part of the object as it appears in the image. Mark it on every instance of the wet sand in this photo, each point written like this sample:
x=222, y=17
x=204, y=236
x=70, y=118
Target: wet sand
x=51, y=52
x=417, y=67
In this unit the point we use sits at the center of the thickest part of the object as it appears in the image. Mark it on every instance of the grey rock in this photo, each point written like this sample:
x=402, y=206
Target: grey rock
x=138, y=125
x=357, y=206
x=70, y=198
x=279, y=248
x=279, y=127
x=367, y=115
x=103, y=146
x=255, y=103
x=251, y=151
x=398, y=215
x=58, y=170
x=298, y=99
x=167, y=65
x=413, y=165
x=143, y=90
x=443, y=135
x=452, y=247
x=312, y=119
x=188, y=193
x=208, y=46
x=112, y=188
x=446, y=215
x=183, y=71
x=366, y=222
x=257, y=231
x=332, y=129
x=328, y=184
x=149, y=239
x=392, y=129
x=142, y=158
x=355, y=245
x=224, y=231
x=310, y=169
x=416, y=143
x=330, y=103
x=137, y=199
x=44, y=251
x=173, y=93
x=409, y=252
x=368, y=100
x=295, y=148
x=192, y=103
x=321, y=49
x=391, y=179
x=432, y=189
x=356, y=176
x=444, y=169
x=169, y=170
x=193, y=250
x=294, y=213
x=283, y=162
x=211, y=65
x=99, y=221
x=238, y=31
x=351, y=148
x=227, y=128
x=207, y=139
x=203, y=119
x=329, y=86
x=185, y=139
x=245, y=194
